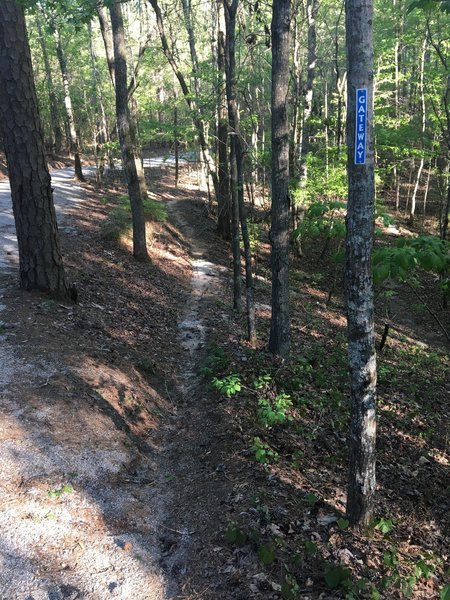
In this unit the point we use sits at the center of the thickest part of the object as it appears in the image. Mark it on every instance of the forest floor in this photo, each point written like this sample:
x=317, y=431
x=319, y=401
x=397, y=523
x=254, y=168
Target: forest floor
x=147, y=452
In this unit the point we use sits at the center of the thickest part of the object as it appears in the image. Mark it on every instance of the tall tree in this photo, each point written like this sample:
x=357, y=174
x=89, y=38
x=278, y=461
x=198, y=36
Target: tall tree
x=74, y=142
x=223, y=192
x=127, y=135
x=279, y=233
x=237, y=175
x=358, y=269
x=56, y=133
x=41, y=265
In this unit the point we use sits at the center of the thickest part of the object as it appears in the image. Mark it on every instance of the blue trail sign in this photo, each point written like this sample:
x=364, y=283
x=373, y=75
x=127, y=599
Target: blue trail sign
x=361, y=126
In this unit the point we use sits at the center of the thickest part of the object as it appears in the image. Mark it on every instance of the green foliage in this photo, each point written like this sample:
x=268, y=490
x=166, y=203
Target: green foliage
x=311, y=499
x=322, y=185
x=58, y=492
x=445, y=592
x=398, y=262
x=228, y=385
x=337, y=576
x=343, y=523
x=290, y=589
x=384, y=525
x=323, y=218
x=272, y=412
x=263, y=452
x=235, y=535
x=119, y=219
x=430, y=5
x=310, y=547
x=216, y=360
x=266, y=554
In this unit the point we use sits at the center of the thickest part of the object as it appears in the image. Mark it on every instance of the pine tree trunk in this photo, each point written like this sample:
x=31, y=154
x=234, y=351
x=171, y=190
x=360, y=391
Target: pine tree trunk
x=223, y=196
x=56, y=134
x=41, y=266
x=73, y=137
x=127, y=135
x=279, y=234
x=358, y=269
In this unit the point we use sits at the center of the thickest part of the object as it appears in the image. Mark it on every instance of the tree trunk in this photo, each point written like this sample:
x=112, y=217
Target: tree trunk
x=305, y=131
x=199, y=122
x=223, y=196
x=107, y=41
x=279, y=233
x=412, y=211
x=41, y=266
x=358, y=269
x=127, y=135
x=101, y=126
x=56, y=134
x=230, y=17
x=73, y=137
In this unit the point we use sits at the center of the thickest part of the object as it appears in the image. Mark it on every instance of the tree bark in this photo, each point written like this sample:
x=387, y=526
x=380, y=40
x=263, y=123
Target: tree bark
x=107, y=42
x=56, y=134
x=127, y=136
x=230, y=18
x=41, y=266
x=101, y=125
x=358, y=269
x=73, y=137
x=199, y=122
x=279, y=233
x=305, y=132
x=223, y=196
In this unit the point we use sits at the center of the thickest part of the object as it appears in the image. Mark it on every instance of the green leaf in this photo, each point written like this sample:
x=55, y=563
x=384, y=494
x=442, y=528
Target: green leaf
x=445, y=592
x=343, y=523
x=384, y=525
x=234, y=535
x=311, y=499
x=336, y=576
x=310, y=547
x=381, y=272
x=266, y=554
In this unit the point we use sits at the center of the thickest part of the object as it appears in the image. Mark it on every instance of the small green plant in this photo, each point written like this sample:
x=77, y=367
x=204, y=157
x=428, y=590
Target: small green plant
x=216, y=360
x=311, y=499
x=235, y=535
x=290, y=589
x=384, y=525
x=343, y=523
x=266, y=554
x=262, y=381
x=58, y=492
x=263, y=452
x=272, y=412
x=310, y=547
x=445, y=592
x=228, y=385
x=337, y=576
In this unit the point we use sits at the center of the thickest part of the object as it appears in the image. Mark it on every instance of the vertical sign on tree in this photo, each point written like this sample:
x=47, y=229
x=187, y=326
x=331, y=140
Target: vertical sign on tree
x=358, y=268
x=360, y=126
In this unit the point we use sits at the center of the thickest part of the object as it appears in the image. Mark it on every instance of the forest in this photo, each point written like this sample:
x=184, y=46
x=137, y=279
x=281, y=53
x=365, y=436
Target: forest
x=224, y=299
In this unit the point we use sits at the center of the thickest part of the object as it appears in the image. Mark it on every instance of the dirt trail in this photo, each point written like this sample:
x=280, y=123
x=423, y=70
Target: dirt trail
x=78, y=512
x=92, y=504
